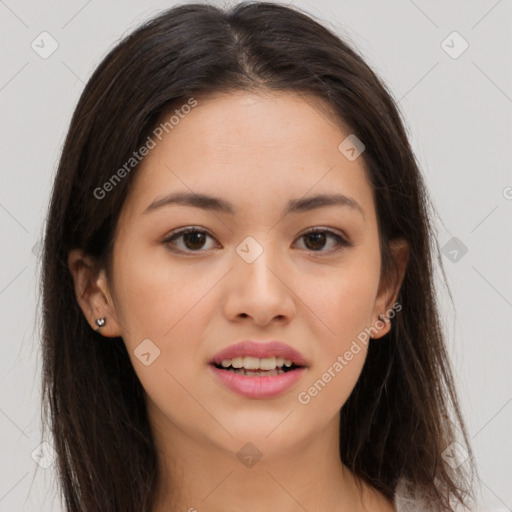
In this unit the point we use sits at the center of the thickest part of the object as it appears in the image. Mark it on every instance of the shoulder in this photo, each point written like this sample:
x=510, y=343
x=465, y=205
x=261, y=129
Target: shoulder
x=376, y=501
x=409, y=498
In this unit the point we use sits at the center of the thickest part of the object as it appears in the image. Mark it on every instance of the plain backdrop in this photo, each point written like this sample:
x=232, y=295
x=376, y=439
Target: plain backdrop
x=457, y=103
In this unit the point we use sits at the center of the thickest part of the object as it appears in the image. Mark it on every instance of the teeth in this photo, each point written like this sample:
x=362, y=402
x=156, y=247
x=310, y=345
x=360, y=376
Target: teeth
x=254, y=363
x=251, y=373
x=269, y=363
x=237, y=362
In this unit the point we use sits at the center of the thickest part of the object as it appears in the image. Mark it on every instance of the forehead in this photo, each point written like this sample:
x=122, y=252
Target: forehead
x=251, y=148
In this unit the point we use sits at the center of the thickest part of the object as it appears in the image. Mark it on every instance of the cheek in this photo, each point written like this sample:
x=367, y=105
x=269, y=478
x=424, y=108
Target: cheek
x=171, y=306
x=342, y=307
x=154, y=297
x=341, y=301
x=340, y=350
x=330, y=385
x=165, y=304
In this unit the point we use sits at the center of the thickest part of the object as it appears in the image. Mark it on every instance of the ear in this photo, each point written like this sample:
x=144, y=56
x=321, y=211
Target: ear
x=390, y=284
x=92, y=292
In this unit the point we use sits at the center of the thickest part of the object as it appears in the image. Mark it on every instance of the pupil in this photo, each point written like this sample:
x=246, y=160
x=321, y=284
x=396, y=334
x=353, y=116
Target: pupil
x=194, y=236
x=317, y=237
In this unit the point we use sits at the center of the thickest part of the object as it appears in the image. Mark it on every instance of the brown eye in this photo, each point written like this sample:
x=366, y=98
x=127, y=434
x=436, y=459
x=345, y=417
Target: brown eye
x=316, y=239
x=193, y=240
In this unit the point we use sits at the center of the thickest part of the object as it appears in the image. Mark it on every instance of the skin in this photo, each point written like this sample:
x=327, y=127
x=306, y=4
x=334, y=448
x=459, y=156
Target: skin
x=257, y=151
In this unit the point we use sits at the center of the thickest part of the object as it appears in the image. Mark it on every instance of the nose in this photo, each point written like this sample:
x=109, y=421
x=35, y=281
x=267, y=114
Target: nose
x=260, y=290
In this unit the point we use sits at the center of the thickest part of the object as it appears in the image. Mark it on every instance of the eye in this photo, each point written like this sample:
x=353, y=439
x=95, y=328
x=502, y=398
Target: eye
x=193, y=239
x=316, y=239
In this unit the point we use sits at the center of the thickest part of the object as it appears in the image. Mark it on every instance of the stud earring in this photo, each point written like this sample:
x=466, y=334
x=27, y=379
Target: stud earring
x=384, y=319
x=100, y=322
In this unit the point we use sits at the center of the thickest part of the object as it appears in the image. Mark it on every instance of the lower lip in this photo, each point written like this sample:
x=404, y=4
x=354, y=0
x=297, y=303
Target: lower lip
x=258, y=387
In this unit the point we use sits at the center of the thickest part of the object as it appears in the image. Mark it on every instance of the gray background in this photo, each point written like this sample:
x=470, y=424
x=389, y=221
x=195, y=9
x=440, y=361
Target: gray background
x=458, y=113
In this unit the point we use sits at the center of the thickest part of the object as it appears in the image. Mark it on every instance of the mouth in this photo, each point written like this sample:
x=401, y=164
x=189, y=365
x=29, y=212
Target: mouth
x=256, y=367
x=258, y=370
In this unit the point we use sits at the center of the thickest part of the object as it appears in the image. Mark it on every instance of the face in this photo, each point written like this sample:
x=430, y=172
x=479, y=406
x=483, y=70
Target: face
x=306, y=276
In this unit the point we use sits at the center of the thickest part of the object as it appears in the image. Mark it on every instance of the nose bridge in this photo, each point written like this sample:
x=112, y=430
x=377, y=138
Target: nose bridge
x=256, y=258
x=257, y=289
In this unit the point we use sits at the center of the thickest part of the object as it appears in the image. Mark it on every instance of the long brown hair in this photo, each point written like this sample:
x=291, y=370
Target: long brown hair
x=403, y=412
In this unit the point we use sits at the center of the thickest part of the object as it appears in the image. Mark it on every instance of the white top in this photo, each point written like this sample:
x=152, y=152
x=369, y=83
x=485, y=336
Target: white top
x=408, y=499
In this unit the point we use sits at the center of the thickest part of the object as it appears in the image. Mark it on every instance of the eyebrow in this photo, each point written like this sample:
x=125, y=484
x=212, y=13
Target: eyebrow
x=206, y=202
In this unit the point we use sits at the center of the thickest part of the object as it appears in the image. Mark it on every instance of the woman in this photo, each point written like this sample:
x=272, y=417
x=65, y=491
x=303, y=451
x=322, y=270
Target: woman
x=239, y=311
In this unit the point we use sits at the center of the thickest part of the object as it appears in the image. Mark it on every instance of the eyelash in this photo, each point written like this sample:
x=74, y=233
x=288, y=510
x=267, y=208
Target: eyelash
x=341, y=241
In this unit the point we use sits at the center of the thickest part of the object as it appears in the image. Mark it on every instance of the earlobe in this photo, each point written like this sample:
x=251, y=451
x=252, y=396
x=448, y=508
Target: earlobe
x=92, y=293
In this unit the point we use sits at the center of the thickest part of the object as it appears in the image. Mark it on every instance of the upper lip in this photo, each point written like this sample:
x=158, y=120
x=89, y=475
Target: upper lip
x=261, y=350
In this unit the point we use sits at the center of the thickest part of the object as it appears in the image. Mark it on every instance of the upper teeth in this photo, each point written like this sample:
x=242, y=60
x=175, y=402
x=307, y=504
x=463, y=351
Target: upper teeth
x=255, y=363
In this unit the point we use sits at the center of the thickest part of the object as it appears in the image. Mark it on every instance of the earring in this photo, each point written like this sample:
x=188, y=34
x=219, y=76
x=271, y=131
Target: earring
x=100, y=322
x=384, y=319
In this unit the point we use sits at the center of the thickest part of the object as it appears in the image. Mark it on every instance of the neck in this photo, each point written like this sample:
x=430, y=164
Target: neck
x=196, y=476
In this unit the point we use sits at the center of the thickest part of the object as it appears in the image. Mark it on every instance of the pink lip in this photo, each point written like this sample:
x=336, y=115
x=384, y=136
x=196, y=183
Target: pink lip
x=260, y=350
x=259, y=387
